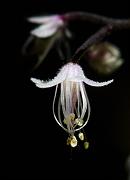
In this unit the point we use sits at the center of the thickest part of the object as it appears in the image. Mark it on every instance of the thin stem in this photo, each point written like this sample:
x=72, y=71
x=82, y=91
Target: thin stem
x=97, y=19
x=98, y=36
x=26, y=44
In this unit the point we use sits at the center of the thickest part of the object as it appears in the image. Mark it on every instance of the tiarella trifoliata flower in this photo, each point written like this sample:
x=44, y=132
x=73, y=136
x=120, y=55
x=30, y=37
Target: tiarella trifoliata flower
x=73, y=103
x=52, y=32
x=49, y=25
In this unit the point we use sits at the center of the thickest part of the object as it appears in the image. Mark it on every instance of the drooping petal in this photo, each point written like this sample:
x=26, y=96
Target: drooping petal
x=45, y=31
x=96, y=84
x=46, y=84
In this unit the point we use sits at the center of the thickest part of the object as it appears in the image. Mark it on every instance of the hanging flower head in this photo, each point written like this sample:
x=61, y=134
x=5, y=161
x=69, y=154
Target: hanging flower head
x=49, y=25
x=73, y=101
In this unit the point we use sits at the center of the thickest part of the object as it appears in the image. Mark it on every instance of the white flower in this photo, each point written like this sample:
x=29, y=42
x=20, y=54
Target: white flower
x=49, y=25
x=73, y=101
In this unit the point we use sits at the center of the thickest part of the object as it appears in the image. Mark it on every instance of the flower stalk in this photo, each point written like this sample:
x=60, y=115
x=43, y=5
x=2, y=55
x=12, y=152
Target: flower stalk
x=117, y=24
x=97, y=37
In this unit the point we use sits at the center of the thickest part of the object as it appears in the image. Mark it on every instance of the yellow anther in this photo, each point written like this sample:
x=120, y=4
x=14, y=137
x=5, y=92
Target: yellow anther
x=73, y=141
x=79, y=122
x=86, y=145
x=65, y=121
x=69, y=118
x=68, y=141
x=81, y=136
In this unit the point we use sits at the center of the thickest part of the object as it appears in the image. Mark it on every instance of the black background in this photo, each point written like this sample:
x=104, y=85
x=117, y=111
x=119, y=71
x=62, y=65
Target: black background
x=32, y=144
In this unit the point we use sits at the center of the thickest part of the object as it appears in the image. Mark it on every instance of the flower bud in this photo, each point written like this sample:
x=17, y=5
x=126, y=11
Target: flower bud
x=104, y=58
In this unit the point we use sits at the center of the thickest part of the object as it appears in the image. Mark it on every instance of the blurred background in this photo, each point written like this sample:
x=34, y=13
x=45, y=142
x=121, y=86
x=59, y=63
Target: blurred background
x=33, y=146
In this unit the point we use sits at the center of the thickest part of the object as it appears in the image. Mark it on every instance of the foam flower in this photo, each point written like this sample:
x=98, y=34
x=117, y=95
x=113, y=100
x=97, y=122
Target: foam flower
x=73, y=103
x=48, y=25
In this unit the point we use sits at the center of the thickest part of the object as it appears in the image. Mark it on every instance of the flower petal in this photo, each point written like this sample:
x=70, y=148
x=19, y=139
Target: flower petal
x=45, y=31
x=43, y=19
x=46, y=84
x=96, y=84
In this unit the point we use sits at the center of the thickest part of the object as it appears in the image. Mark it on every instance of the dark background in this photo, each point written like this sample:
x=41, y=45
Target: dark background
x=32, y=144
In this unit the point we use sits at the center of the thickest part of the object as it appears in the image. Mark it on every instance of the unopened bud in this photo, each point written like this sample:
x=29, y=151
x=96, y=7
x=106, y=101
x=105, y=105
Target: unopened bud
x=104, y=58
